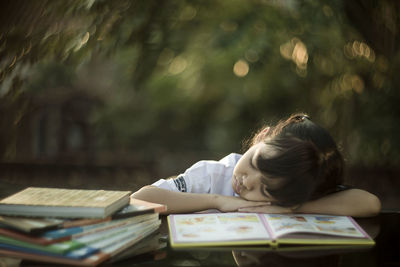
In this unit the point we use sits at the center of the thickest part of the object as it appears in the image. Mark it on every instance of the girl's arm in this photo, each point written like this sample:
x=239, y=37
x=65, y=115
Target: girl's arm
x=179, y=202
x=351, y=202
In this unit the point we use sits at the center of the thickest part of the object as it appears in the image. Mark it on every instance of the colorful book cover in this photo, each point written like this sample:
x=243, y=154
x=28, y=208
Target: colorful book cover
x=75, y=232
x=95, y=259
x=57, y=248
x=78, y=253
x=30, y=225
x=28, y=238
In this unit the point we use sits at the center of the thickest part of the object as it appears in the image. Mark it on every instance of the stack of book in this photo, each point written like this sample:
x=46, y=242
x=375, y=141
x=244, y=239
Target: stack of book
x=76, y=227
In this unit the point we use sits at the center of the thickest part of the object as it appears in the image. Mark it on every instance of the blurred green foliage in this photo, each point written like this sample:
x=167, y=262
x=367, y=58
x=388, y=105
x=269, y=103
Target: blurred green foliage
x=178, y=78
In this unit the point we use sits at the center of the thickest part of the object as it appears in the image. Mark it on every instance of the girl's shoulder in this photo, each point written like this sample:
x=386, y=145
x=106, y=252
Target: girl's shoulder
x=226, y=162
x=213, y=168
x=231, y=159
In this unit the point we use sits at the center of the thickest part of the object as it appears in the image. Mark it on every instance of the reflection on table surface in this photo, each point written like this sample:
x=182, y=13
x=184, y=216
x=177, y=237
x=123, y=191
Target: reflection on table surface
x=383, y=228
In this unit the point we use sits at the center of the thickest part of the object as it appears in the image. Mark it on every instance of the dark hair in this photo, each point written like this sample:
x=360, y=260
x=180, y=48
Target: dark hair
x=308, y=162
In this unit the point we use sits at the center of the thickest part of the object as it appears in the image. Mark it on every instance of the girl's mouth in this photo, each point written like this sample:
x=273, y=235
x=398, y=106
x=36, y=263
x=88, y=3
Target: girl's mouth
x=237, y=186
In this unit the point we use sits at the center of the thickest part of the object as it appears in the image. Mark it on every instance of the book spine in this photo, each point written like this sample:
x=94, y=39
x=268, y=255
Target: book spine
x=118, y=223
x=79, y=231
x=265, y=222
x=98, y=239
x=58, y=248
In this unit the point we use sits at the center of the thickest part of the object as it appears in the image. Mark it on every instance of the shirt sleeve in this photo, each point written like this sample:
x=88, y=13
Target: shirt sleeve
x=168, y=184
x=338, y=188
x=204, y=177
x=196, y=179
x=343, y=187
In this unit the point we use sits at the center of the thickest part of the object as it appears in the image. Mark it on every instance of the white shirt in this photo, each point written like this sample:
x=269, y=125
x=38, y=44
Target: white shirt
x=205, y=177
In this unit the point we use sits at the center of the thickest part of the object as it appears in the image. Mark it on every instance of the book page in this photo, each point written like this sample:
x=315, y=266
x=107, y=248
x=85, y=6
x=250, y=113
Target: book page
x=318, y=224
x=218, y=227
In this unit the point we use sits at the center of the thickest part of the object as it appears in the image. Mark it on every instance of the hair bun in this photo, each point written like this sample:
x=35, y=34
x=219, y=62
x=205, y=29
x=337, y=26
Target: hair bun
x=301, y=117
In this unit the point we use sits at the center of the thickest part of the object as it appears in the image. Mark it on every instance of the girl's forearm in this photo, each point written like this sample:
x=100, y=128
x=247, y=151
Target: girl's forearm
x=177, y=202
x=352, y=202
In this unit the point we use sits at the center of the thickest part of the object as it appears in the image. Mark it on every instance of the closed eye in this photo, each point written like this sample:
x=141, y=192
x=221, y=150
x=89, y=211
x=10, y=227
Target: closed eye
x=252, y=165
x=265, y=193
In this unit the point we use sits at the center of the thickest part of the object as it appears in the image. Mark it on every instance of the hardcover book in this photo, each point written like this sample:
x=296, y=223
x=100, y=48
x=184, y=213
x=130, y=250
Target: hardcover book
x=70, y=203
x=36, y=226
x=75, y=232
x=84, y=245
x=238, y=229
x=137, y=206
x=30, y=225
x=99, y=250
x=59, y=235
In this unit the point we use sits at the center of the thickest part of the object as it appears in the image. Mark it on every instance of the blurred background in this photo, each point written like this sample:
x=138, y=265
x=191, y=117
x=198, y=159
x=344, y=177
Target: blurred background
x=118, y=94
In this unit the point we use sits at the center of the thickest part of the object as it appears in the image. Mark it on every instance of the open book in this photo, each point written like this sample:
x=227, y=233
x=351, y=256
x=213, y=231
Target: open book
x=233, y=229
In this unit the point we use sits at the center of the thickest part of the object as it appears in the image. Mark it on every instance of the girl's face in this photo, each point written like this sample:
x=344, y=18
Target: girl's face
x=247, y=178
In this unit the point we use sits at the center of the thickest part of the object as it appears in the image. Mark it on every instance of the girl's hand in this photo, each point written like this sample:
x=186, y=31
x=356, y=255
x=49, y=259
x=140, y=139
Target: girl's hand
x=266, y=209
x=228, y=204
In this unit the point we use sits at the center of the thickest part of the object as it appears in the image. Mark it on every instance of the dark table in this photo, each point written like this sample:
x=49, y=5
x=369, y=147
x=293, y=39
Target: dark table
x=384, y=228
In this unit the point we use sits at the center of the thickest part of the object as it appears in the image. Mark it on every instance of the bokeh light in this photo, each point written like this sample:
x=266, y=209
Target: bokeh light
x=241, y=68
x=296, y=51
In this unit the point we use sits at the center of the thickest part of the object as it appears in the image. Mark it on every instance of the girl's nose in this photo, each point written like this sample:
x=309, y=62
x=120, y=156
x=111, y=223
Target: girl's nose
x=248, y=182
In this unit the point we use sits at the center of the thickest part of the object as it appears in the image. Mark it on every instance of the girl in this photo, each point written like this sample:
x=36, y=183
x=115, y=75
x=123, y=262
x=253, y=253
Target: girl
x=292, y=167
